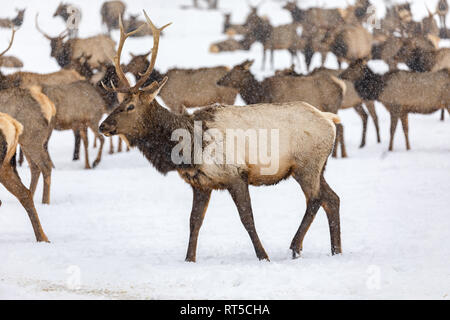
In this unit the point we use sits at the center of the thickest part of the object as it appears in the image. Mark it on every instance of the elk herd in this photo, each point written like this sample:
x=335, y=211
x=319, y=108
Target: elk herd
x=92, y=82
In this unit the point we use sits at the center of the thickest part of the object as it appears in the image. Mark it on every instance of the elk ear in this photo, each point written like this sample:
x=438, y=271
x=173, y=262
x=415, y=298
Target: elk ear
x=152, y=91
x=247, y=64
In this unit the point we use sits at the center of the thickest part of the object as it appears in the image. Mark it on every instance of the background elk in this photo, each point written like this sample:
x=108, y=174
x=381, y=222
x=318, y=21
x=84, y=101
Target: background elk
x=442, y=10
x=401, y=92
x=16, y=22
x=110, y=12
x=66, y=11
x=10, y=132
x=78, y=107
x=99, y=49
x=148, y=126
x=188, y=88
x=35, y=112
x=325, y=92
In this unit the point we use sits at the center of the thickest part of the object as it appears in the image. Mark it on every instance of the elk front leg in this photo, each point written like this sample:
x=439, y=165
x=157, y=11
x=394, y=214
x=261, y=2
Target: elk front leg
x=394, y=121
x=84, y=137
x=370, y=105
x=199, y=205
x=404, y=119
x=76, y=150
x=241, y=197
x=359, y=109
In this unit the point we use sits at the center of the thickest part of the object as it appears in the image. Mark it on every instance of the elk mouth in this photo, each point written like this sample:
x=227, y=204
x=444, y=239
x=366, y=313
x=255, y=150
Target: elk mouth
x=106, y=130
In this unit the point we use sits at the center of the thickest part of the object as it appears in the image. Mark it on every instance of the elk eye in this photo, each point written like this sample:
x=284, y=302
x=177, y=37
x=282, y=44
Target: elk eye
x=130, y=107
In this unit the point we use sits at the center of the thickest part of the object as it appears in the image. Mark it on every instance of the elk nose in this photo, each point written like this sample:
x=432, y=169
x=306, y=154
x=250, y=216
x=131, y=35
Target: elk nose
x=103, y=127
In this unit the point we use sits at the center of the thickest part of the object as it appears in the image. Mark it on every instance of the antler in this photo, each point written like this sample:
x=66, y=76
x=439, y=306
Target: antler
x=124, y=86
x=61, y=35
x=10, y=42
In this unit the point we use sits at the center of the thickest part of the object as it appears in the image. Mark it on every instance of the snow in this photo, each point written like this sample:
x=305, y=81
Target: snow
x=120, y=231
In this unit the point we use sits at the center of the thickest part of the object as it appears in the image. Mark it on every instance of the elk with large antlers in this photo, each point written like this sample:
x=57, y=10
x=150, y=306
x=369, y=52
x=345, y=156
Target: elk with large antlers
x=306, y=138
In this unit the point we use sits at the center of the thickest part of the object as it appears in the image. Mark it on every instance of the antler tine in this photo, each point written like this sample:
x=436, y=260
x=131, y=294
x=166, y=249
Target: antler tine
x=156, y=35
x=39, y=29
x=10, y=41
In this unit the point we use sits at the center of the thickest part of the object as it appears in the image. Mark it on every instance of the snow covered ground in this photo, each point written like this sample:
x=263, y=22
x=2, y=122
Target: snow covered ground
x=121, y=231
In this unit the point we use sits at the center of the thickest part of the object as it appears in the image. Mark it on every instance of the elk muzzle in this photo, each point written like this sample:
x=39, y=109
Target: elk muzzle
x=108, y=128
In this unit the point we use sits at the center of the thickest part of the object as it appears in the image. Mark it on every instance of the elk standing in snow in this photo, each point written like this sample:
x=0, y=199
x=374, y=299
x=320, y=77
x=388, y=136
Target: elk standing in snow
x=111, y=11
x=401, y=92
x=16, y=22
x=306, y=140
x=10, y=131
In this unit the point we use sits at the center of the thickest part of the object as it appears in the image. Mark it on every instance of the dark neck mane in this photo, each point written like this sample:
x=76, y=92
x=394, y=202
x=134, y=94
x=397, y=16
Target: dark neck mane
x=251, y=90
x=154, y=140
x=370, y=85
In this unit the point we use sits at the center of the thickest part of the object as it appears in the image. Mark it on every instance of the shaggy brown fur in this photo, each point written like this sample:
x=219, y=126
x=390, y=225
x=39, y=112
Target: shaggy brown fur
x=78, y=107
x=323, y=92
x=110, y=12
x=307, y=137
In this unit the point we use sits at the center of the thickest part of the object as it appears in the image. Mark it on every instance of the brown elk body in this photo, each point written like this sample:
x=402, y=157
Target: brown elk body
x=351, y=43
x=307, y=137
x=110, y=12
x=188, y=88
x=351, y=99
x=78, y=107
x=35, y=112
x=325, y=92
x=10, y=131
x=402, y=92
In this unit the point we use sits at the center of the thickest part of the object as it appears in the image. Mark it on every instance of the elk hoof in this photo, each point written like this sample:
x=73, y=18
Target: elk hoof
x=96, y=162
x=43, y=239
x=295, y=254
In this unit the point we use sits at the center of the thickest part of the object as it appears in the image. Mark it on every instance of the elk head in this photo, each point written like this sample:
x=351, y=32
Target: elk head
x=126, y=119
x=18, y=20
x=236, y=76
x=61, y=11
x=58, y=48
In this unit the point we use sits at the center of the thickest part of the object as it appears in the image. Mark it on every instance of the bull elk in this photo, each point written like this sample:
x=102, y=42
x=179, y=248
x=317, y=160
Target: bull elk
x=306, y=134
x=401, y=92
x=35, y=112
x=325, y=92
x=10, y=132
x=99, y=49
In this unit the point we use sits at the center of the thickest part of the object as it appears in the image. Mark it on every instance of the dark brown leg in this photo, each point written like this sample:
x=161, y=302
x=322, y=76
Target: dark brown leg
x=337, y=140
x=35, y=173
x=370, y=105
x=241, y=196
x=404, y=119
x=111, y=145
x=312, y=207
x=442, y=114
x=342, y=142
x=76, y=151
x=359, y=109
x=100, y=148
x=20, y=157
x=330, y=203
x=84, y=137
x=45, y=166
x=119, y=148
x=199, y=206
x=394, y=121
x=12, y=182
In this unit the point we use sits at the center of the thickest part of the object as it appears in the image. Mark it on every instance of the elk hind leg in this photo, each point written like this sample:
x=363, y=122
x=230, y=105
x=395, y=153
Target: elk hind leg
x=330, y=202
x=370, y=105
x=404, y=119
x=100, y=148
x=84, y=137
x=11, y=180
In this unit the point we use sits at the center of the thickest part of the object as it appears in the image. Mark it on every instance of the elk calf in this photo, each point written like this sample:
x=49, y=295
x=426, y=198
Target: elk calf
x=10, y=131
x=306, y=140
